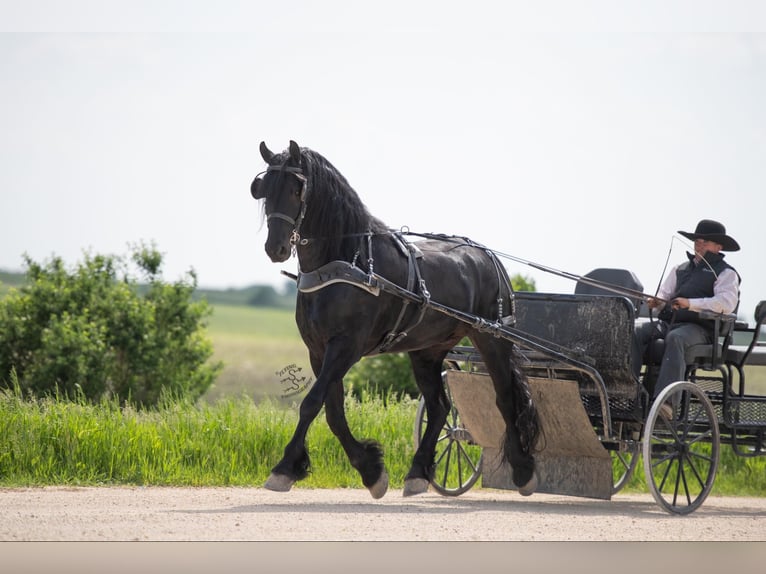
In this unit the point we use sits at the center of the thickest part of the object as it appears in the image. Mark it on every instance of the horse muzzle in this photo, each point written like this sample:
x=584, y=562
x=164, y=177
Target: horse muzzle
x=279, y=252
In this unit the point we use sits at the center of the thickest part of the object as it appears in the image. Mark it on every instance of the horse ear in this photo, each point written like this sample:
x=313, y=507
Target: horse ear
x=266, y=153
x=295, y=152
x=256, y=189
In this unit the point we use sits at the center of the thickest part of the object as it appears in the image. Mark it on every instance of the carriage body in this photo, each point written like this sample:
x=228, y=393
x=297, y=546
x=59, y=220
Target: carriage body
x=590, y=330
x=596, y=422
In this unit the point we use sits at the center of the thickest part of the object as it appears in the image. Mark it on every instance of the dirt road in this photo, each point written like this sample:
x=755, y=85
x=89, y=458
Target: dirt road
x=360, y=534
x=255, y=514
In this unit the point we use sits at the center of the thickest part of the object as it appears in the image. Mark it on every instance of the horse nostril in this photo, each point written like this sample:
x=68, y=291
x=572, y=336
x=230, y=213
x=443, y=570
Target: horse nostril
x=277, y=253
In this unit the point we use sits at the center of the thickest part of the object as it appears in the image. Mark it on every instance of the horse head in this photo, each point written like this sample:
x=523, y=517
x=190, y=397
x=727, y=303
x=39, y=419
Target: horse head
x=283, y=189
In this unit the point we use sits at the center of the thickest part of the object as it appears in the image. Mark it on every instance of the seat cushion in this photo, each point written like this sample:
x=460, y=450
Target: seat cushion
x=701, y=354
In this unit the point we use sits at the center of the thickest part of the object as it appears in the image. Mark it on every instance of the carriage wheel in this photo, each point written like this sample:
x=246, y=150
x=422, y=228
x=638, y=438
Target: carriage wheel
x=458, y=458
x=681, y=452
x=624, y=458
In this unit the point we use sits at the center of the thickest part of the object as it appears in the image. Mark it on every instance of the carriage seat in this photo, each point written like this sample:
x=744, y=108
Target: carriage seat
x=708, y=357
x=753, y=353
x=616, y=277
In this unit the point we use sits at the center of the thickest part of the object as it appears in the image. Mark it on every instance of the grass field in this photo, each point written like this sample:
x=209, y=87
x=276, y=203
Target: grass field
x=255, y=344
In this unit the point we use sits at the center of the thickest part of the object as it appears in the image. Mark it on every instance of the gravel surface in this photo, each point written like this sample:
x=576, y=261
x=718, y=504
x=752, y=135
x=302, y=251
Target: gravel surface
x=256, y=514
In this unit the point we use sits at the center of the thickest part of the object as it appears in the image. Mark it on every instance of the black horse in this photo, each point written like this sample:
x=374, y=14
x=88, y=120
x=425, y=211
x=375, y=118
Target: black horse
x=343, y=316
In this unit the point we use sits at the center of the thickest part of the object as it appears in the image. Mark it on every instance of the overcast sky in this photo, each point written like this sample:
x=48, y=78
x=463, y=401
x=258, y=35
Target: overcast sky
x=575, y=135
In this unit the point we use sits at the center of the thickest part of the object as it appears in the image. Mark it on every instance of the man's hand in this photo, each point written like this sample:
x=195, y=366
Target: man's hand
x=680, y=303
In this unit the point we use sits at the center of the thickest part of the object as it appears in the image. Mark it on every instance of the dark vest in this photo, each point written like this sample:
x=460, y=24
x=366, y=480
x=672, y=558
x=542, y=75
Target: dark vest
x=693, y=281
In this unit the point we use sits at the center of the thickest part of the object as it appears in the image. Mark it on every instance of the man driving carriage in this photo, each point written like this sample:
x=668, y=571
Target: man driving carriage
x=704, y=282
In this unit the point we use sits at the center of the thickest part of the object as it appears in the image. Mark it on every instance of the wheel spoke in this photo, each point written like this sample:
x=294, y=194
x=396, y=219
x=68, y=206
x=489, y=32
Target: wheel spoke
x=447, y=463
x=442, y=454
x=681, y=479
x=666, y=473
x=693, y=465
x=624, y=460
x=467, y=457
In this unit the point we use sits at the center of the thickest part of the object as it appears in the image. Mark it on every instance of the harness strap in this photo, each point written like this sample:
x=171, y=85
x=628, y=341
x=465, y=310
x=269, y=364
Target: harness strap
x=345, y=272
x=503, y=279
x=337, y=272
x=413, y=274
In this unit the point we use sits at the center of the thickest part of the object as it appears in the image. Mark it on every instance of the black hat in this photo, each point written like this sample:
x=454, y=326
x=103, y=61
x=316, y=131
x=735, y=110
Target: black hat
x=712, y=231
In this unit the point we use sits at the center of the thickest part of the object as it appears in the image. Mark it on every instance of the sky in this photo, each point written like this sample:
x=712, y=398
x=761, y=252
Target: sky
x=574, y=135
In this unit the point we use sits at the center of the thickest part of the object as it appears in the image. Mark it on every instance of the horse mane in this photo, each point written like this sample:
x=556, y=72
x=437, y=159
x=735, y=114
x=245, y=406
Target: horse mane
x=335, y=215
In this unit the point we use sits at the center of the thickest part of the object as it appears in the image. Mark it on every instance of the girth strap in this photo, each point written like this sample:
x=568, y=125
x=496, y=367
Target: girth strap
x=413, y=274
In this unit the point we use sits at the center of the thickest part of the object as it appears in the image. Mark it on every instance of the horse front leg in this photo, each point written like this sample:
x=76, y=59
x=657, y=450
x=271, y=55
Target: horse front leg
x=427, y=368
x=365, y=456
x=296, y=463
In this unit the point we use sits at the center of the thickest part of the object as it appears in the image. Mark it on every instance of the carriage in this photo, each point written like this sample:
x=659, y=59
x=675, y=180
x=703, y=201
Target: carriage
x=597, y=420
x=545, y=398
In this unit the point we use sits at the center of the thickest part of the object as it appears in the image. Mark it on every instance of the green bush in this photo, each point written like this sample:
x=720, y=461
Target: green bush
x=382, y=376
x=96, y=332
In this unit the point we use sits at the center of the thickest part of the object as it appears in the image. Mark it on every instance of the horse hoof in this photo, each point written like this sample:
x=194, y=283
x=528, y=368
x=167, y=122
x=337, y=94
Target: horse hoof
x=380, y=487
x=530, y=487
x=415, y=486
x=278, y=483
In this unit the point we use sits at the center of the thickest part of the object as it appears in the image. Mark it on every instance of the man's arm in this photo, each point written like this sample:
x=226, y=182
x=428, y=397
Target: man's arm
x=666, y=290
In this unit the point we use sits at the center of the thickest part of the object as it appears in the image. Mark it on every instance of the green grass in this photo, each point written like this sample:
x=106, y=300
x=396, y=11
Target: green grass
x=233, y=442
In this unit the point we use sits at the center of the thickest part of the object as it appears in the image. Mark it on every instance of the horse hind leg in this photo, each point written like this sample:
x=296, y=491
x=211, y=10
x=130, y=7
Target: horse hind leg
x=514, y=402
x=365, y=456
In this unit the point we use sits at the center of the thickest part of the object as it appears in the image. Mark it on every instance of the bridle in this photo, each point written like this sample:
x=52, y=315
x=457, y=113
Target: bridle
x=295, y=237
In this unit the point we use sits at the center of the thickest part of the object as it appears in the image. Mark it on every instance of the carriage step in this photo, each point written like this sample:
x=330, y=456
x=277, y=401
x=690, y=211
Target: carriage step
x=621, y=407
x=745, y=412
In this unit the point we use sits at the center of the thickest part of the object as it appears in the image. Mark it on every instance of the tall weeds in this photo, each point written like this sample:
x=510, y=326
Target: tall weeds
x=231, y=442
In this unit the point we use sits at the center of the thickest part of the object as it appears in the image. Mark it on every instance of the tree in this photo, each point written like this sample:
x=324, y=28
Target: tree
x=95, y=332
x=521, y=282
x=264, y=296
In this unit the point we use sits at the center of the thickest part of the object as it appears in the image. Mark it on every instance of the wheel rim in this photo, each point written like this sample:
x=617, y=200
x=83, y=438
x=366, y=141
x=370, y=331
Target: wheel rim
x=624, y=460
x=681, y=453
x=457, y=458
